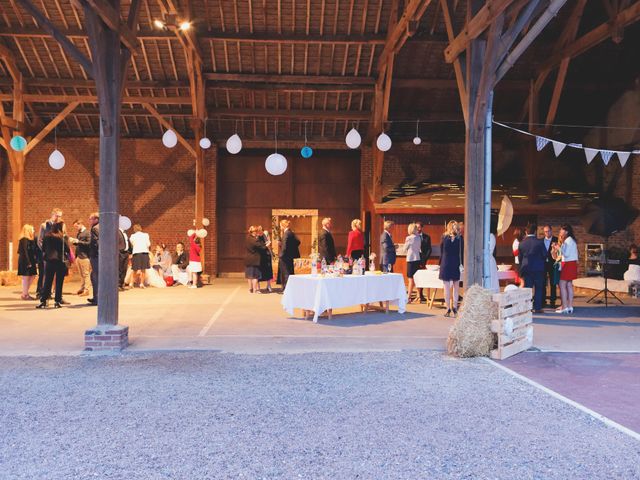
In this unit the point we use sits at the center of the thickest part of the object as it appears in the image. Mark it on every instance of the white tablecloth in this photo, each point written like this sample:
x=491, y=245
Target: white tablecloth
x=323, y=293
x=427, y=279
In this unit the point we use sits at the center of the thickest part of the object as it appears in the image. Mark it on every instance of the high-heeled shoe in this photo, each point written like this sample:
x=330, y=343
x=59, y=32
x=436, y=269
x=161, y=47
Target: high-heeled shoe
x=42, y=305
x=569, y=310
x=57, y=305
x=448, y=314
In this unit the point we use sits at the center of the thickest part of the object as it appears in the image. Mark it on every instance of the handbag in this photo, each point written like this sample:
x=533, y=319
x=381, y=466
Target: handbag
x=66, y=255
x=461, y=267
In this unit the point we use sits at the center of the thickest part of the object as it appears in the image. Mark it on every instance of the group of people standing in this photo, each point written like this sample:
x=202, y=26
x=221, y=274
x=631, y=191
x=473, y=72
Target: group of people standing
x=551, y=261
x=50, y=254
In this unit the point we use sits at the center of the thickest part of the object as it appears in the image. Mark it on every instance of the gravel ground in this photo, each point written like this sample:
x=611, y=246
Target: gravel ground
x=405, y=415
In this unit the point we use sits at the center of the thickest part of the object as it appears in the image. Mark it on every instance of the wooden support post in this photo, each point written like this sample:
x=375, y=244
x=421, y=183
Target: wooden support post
x=17, y=204
x=474, y=175
x=107, y=65
x=200, y=189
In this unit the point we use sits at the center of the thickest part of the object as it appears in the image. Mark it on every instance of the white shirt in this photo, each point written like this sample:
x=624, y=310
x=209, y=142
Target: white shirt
x=547, y=243
x=140, y=242
x=569, y=250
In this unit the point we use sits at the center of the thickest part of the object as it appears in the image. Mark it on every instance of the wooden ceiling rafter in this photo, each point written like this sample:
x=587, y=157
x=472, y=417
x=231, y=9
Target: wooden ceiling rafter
x=477, y=25
x=594, y=37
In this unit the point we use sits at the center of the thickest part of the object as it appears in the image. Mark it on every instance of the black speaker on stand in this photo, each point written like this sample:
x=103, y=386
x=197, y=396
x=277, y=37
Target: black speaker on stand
x=604, y=217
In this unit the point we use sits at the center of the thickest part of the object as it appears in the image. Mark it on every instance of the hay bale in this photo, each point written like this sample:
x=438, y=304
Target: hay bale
x=9, y=278
x=470, y=335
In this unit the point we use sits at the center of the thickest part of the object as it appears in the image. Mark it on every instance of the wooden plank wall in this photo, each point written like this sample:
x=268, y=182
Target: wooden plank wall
x=328, y=181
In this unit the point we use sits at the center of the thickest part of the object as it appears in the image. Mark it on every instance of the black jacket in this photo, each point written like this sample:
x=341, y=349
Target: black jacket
x=290, y=246
x=425, y=247
x=181, y=260
x=83, y=245
x=532, y=255
x=255, y=249
x=326, y=246
x=549, y=259
x=95, y=241
x=55, y=248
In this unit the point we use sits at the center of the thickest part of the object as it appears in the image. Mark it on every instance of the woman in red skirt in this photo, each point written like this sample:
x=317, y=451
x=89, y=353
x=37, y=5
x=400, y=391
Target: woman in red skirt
x=568, y=268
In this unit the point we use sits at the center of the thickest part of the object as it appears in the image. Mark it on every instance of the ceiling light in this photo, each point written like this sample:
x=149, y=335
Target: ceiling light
x=184, y=26
x=159, y=24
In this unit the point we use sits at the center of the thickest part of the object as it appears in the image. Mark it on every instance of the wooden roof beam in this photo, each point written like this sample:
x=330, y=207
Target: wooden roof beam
x=42, y=98
x=478, y=24
x=401, y=31
x=50, y=126
x=291, y=114
x=284, y=38
x=596, y=36
x=112, y=19
x=286, y=79
x=53, y=31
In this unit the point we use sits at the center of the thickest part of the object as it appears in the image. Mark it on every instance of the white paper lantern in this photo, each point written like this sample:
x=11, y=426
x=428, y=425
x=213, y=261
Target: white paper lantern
x=510, y=287
x=417, y=141
x=276, y=164
x=205, y=143
x=383, y=142
x=190, y=232
x=508, y=326
x=353, y=139
x=530, y=334
x=169, y=139
x=234, y=144
x=124, y=222
x=56, y=160
x=202, y=233
x=205, y=222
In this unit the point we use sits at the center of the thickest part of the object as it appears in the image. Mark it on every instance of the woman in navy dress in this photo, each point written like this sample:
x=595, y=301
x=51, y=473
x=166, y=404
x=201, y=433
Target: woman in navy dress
x=451, y=255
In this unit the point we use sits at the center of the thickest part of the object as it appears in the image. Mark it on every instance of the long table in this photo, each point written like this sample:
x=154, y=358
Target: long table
x=318, y=294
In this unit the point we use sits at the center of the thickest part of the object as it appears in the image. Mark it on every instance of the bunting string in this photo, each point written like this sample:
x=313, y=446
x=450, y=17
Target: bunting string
x=589, y=153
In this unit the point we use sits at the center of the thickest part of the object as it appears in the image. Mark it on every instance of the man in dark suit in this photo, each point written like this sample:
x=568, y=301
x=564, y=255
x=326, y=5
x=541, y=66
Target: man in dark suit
x=549, y=240
x=387, y=248
x=289, y=250
x=45, y=227
x=124, y=249
x=326, y=245
x=425, y=253
x=532, y=255
x=94, y=218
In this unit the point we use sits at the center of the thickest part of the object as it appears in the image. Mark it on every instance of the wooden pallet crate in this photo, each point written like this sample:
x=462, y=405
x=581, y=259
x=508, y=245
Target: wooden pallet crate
x=514, y=325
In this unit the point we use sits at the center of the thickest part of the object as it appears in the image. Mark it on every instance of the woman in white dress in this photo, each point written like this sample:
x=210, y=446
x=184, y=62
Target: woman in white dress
x=493, y=266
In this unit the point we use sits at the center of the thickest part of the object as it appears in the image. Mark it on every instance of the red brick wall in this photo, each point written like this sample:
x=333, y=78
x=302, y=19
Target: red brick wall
x=5, y=207
x=157, y=188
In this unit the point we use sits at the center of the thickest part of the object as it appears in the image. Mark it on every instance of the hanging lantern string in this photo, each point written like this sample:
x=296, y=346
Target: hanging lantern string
x=275, y=133
x=305, y=132
x=417, y=124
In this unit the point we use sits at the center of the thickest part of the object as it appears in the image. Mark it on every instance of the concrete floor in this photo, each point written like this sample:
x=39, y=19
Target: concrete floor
x=224, y=316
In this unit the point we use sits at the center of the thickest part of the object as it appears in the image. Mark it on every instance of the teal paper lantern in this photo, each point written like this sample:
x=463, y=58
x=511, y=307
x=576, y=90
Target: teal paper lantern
x=306, y=151
x=18, y=143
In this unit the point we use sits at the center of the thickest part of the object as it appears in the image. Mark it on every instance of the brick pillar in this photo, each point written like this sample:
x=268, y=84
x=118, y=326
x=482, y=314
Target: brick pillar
x=106, y=338
x=211, y=210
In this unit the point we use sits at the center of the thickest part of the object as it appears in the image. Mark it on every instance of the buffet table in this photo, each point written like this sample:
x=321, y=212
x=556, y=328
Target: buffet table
x=318, y=294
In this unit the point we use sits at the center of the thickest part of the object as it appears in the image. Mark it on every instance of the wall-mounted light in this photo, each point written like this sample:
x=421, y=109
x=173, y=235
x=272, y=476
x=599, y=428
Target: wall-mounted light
x=159, y=24
x=184, y=26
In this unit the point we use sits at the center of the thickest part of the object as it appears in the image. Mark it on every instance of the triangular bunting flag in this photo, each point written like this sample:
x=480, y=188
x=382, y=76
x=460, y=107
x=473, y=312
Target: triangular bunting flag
x=541, y=142
x=558, y=147
x=590, y=153
x=623, y=157
x=606, y=156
